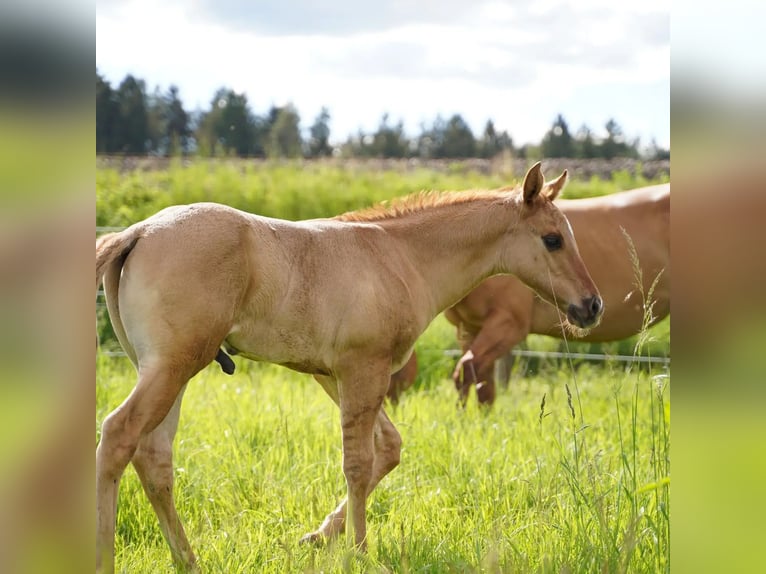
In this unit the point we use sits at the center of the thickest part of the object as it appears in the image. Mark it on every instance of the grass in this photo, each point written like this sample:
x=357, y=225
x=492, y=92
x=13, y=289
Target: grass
x=295, y=190
x=569, y=472
x=517, y=489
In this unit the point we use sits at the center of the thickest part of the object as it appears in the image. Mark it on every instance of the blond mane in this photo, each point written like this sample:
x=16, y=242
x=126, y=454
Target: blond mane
x=400, y=206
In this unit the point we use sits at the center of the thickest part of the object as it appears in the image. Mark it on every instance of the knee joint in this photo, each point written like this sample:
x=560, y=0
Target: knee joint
x=358, y=470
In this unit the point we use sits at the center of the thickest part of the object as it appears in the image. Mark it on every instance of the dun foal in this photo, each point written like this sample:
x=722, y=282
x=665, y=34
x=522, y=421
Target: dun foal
x=342, y=299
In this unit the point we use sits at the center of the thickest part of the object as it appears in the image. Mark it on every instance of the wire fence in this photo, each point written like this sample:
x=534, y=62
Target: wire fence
x=524, y=353
x=583, y=356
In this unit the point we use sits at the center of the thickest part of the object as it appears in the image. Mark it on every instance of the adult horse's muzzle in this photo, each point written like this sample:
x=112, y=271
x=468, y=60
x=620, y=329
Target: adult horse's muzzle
x=588, y=314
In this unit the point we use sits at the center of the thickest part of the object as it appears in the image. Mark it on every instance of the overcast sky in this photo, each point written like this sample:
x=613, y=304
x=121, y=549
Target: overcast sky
x=515, y=62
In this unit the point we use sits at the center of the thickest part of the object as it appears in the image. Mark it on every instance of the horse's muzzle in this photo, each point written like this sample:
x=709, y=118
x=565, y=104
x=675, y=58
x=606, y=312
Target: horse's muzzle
x=588, y=314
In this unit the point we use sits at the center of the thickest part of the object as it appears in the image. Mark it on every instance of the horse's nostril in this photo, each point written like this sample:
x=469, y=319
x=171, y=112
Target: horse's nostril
x=595, y=305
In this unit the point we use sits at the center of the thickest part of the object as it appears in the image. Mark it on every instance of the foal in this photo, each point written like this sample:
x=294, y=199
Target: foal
x=342, y=299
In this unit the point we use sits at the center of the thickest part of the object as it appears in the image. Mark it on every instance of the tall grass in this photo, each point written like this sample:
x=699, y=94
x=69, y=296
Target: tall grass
x=258, y=464
x=525, y=487
x=293, y=191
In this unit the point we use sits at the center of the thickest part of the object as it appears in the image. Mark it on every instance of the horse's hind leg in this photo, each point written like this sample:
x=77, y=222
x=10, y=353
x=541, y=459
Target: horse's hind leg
x=153, y=462
x=121, y=432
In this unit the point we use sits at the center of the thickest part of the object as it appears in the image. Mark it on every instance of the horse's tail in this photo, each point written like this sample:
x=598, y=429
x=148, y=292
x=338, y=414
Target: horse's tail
x=111, y=252
x=113, y=247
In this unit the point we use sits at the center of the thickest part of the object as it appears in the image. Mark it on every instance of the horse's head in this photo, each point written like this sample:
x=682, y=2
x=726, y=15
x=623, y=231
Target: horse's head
x=547, y=258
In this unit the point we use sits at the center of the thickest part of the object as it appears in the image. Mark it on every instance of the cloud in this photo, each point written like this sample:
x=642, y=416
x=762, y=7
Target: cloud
x=517, y=63
x=425, y=53
x=330, y=17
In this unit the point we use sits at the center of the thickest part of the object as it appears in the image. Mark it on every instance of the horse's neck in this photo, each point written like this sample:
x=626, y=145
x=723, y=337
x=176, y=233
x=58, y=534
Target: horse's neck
x=455, y=247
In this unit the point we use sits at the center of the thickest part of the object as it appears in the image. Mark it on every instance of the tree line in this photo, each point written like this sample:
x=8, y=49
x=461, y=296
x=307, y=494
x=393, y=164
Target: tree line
x=132, y=121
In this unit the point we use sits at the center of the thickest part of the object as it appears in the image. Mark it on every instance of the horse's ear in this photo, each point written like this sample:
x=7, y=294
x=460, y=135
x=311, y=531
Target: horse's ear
x=553, y=188
x=533, y=183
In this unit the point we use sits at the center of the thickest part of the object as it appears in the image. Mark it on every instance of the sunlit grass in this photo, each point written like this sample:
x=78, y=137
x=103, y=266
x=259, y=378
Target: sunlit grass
x=258, y=464
x=515, y=489
x=295, y=190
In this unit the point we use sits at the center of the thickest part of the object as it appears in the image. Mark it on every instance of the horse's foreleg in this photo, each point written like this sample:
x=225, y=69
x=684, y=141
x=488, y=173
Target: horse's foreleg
x=360, y=396
x=121, y=432
x=334, y=523
x=388, y=447
x=357, y=418
x=153, y=462
x=504, y=368
x=496, y=337
x=464, y=376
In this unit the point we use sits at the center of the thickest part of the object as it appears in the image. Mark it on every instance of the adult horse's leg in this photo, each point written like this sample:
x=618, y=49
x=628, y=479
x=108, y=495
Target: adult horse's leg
x=145, y=408
x=504, y=368
x=387, y=450
x=477, y=365
x=472, y=370
x=153, y=461
x=403, y=379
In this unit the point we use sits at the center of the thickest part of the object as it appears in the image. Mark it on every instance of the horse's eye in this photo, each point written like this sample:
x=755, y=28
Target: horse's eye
x=552, y=241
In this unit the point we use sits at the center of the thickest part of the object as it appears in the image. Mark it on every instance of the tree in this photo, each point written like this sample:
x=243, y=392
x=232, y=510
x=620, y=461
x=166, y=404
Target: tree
x=319, y=142
x=557, y=141
x=177, y=130
x=585, y=145
x=389, y=141
x=155, y=122
x=133, y=125
x=431, y=139
x=655, y=152
x=504, y=141
x=614, y=145
x=237, y=126
x=610, y=147
x=230, y=127
x=458, y=139
x=492, y=143
x=107, y=113
x=285, y=135
x=489, y=145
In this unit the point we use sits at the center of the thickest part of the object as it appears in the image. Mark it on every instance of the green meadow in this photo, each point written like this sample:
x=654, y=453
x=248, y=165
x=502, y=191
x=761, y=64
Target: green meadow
x=569, y=471
x=516, y=489
x=298, y=190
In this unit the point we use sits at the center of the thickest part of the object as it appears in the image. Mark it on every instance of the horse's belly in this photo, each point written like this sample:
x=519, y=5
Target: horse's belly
x=290, y=348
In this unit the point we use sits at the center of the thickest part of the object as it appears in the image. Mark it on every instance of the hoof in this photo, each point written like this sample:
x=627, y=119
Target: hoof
x=313, y=538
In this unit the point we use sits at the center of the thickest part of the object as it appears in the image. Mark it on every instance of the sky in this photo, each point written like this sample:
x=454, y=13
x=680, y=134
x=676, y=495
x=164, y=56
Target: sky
x=517, y=63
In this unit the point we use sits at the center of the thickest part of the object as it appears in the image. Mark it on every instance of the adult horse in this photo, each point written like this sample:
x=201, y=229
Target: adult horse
x=342, y=299
x=502, y=311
